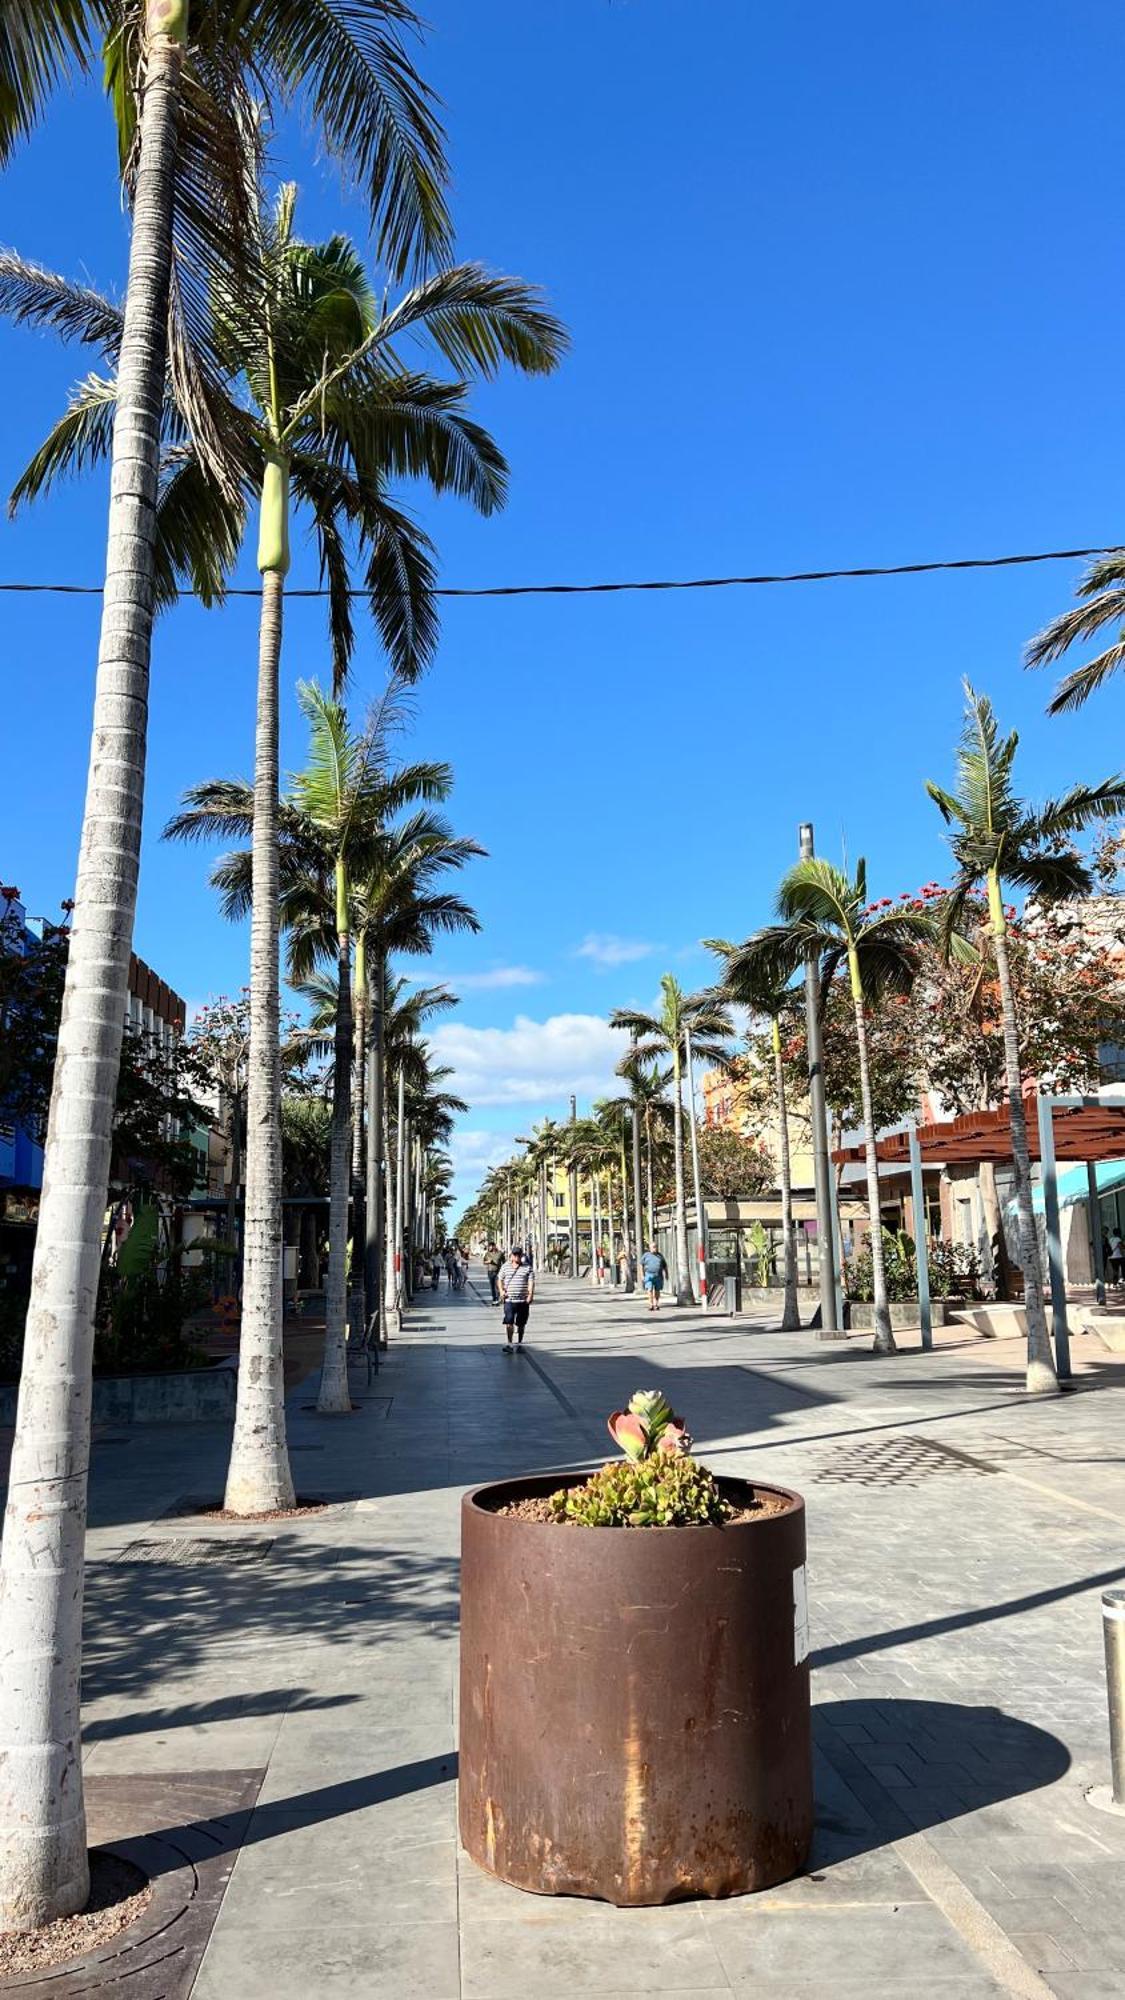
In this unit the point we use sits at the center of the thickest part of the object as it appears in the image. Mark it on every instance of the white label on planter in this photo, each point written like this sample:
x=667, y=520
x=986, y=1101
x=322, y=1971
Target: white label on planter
x=800, y=1615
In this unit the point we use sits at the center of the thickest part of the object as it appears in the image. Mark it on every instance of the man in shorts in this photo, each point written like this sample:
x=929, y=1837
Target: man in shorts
x=517, y=1289
x=493, y=1259
x=654, y=1271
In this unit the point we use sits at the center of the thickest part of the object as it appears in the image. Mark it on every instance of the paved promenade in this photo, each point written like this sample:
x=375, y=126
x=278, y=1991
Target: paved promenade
x=959, y=1538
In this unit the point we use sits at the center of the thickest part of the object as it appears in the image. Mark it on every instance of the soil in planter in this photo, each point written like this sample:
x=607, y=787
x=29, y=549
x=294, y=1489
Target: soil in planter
x=119, y=1894
x=538, y=1508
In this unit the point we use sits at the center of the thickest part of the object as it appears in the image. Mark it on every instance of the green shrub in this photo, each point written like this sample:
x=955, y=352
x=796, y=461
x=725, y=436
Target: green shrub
x=654, y=1492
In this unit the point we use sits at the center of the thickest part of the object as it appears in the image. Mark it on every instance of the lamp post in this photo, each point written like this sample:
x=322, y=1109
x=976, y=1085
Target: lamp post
x=829, y=1328
x=700, y=1217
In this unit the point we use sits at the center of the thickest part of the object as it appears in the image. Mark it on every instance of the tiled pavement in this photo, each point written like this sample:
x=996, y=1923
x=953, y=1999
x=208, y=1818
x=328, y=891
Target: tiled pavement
x=959, y=1537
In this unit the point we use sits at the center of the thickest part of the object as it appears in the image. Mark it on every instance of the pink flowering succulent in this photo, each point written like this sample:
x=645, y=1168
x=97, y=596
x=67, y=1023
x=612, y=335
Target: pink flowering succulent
x=649, y=1429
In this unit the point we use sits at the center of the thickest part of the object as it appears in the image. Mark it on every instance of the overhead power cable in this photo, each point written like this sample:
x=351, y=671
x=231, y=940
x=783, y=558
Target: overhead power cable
x=604, y=589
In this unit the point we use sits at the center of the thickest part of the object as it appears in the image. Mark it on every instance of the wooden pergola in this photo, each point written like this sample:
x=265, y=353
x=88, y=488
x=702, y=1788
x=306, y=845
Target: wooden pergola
x=1083, y=1129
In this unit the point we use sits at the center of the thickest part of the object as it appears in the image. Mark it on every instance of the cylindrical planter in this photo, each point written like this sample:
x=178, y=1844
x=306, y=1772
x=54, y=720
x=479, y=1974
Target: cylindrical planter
x=634, y=1701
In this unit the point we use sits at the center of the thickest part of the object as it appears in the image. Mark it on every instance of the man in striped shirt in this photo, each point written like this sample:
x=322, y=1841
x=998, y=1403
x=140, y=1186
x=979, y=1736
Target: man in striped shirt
x=517, y=1289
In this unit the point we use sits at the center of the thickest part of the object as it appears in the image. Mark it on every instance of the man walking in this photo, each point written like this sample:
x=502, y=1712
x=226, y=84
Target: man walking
x=655, y=1270
x=517, y=1288
x=492, y=1263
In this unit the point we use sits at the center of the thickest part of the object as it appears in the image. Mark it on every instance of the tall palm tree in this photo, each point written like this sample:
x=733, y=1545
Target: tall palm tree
x=996, y=839
x=314, y=407
x=825, y=913
x=662, y=1037
x=334, y=831
x=771, y=1002
x=400, y=907
x=1102, y=604
x=648, y=1096
x=178, y=77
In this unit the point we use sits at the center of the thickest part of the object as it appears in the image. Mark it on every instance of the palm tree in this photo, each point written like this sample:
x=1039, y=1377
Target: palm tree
x=1102, y=605
x=661, y=1036
x=825, y=913
x=314, y=407
x=998, y=839
x=647, y=1095
x=183, y=140
x=399, y=909
x=770, y=1002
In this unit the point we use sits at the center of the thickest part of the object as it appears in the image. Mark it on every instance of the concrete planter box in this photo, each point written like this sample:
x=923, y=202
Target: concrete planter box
x=634, y=1702
x=773, y=1296
x=185, y=1396
x=905, y=1312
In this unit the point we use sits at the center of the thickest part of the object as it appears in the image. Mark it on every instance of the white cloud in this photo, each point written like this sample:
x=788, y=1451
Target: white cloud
x=496, y=976
x=606, y=949
x=532, y=1062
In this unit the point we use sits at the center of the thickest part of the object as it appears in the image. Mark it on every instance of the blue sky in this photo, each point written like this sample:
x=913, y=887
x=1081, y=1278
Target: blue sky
x=844, y=286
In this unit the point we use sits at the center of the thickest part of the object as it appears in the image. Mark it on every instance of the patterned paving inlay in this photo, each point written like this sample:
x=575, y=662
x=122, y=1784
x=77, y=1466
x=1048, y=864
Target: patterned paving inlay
x=905, y=1460
x=184, y=1551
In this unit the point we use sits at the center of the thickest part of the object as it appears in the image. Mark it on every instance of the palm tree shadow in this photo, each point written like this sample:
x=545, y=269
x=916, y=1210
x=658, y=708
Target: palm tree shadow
x=250, y=1826
x=888, y=1768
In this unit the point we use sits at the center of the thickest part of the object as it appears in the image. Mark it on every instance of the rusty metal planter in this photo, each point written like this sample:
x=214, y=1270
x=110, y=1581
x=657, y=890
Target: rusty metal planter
x=634, y=1702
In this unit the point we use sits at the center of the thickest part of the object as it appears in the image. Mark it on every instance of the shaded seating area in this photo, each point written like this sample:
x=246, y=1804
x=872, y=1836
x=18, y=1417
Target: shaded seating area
x=1078, y=1130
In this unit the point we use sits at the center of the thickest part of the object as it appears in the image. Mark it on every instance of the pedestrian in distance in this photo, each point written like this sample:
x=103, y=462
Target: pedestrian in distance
x=517, y=1289
x=655, y=1271
x=1116, y=1256
x=493, y=1259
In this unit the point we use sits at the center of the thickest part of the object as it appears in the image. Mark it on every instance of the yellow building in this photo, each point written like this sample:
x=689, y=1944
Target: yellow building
x=747, y=1105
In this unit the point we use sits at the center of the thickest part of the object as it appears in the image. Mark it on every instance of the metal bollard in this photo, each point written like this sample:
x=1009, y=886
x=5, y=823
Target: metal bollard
x=1113, y=1631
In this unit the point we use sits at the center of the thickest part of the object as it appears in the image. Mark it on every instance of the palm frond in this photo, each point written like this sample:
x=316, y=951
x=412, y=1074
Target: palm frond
x=345, y=65
x=220, y=808
x=1082, y=806
x=82, y=437
x=478, y=319
x=1076, y=688
x=31, y=295
x=42, y=44
x=401, y=579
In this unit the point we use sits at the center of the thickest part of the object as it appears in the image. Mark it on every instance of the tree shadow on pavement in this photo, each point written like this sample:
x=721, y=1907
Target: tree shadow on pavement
x=151, y=1624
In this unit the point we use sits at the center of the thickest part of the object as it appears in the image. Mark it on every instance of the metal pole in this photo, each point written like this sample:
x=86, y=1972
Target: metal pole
x=572, y=1196
x=638, y=1223
x=1113, y=1632
x=837, y=1260
x=1094, y=1210
x=830, y=1314
x=700, y=1217
x=921, y=1250
x=1048, y=1171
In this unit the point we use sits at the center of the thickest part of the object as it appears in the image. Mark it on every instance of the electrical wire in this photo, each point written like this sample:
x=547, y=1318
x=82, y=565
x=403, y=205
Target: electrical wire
x=605, y=589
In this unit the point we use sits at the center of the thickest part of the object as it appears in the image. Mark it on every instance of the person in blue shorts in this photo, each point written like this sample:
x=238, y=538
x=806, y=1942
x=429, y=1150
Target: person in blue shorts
x=654, y=1271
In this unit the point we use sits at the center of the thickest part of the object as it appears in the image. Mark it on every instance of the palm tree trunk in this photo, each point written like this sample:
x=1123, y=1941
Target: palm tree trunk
x=390, y=1273
x=1041, y=1377
x=235, y=1183
x=359, y=1107
x=884, y=1342
x=376, y=1155
x=258, y=1476
x=790, y=1311
x=648, y=1180
x=334, y=1398
x=44, y=1873
x=684, y=1293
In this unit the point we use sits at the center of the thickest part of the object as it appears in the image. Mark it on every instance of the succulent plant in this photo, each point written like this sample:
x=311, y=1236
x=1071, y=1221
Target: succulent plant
x=648, y=1427
x=661, y=1492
